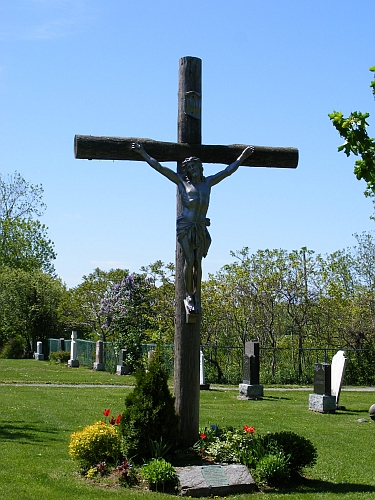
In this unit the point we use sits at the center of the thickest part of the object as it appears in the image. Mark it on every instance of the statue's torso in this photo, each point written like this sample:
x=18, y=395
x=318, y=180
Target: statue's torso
x=195, y=198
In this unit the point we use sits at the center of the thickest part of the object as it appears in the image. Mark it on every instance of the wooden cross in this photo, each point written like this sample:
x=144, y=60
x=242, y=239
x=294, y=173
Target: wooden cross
x=187, y=335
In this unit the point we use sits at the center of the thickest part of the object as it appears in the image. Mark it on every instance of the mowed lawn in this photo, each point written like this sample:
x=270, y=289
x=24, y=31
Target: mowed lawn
x=36, y=422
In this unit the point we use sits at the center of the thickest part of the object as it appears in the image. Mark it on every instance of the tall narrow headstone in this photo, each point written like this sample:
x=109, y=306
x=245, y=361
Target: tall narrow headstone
x=322, y=401
x=38, y=355
x=338, y=372
x=73, y=361
x=202, y=377
x=122, y=368
x=99, y=361
x=251, y=388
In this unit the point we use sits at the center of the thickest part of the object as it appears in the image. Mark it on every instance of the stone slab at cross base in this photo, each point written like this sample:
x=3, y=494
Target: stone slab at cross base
x=38, y=357
x=248, y=391
x=99, y=367
x=322, y=403
x=73, y=363
x=193, y=483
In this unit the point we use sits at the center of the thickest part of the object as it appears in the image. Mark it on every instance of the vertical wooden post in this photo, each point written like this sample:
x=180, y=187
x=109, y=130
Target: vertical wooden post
x=187, y=336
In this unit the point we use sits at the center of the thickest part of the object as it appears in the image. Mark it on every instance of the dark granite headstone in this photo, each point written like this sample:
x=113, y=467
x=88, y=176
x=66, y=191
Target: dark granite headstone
x=322, y=378
x=250, y=388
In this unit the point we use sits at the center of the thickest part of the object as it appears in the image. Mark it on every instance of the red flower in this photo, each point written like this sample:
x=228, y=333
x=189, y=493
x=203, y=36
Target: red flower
x=202, y=435
x=118, y=419
x=249, y=429
x=112, y=421
x=106, y=412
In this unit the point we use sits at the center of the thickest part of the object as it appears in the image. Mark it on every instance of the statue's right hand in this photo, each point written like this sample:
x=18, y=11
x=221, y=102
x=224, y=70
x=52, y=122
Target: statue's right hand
x=137, y=147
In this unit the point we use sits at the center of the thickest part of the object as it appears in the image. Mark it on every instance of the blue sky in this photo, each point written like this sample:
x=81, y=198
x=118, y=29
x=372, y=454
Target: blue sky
x=272, y=71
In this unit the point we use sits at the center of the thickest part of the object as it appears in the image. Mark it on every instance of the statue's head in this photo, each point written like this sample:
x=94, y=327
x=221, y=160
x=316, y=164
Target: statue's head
x=192, y=164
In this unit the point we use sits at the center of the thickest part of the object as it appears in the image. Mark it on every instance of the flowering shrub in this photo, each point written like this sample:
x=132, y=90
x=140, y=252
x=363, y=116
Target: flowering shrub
x=273, y=457
x=94, y=444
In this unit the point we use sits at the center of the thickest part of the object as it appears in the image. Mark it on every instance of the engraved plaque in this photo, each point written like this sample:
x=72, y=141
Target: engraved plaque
x=193, y=104
x=214, y=475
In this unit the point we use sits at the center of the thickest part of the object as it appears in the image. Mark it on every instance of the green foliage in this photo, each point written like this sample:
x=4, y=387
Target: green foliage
x=128, y=311
x=299, y=450
x=28, y=306
x=272, y=470
x=358, y=142
x=158, y=471
x=95, y=443
x=24, y=243
x=60, y=356
x=81, y=307
x=14, y=348
x=149, y=414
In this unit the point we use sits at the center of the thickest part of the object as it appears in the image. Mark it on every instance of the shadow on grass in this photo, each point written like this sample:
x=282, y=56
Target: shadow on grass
x=304, y=485
x=24, y=432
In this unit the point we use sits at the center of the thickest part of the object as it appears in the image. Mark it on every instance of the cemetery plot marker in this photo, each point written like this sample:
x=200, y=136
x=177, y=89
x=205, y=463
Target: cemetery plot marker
x=187, y=317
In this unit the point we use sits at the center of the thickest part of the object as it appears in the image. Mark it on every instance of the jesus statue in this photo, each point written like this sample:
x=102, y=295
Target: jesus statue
x=192, y=233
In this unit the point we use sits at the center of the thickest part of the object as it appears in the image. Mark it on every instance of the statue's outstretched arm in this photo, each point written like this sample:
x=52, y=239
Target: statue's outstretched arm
x=216, y=178
x=167, y=172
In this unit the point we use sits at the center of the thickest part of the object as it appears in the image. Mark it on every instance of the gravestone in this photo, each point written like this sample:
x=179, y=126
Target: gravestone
x=251, y=388
x=38, y=355
x=122, y=368
x=338, y=372
x=202, y=378
x=73, y=361
x=61, y=344
x=99, y=359
x=214, y=480
x=322, y=401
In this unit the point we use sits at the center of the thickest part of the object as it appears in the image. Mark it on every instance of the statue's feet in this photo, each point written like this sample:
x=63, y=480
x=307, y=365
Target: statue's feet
x=190, y=304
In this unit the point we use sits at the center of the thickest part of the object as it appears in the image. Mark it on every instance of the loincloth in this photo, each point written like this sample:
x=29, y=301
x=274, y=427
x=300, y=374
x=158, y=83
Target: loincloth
x=196, y=232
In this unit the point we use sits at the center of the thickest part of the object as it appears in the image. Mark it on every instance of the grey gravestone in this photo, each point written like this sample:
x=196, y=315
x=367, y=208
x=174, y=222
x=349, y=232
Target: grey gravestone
x=61, y=344
x=322, y=401
x=99, y=361
x=38, y=355
x=73, y=361
x=250, y=388
x=338, y=371
x=211, y=480
x=122, y=368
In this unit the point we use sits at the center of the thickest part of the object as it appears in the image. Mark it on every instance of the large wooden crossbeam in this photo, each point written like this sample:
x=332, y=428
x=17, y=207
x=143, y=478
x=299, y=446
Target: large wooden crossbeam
x=119, y=148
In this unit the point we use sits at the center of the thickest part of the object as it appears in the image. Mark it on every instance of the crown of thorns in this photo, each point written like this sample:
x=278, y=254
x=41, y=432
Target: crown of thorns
x=191, y=159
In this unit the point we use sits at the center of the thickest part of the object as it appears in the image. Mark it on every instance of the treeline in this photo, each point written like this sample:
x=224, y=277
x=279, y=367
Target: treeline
x=297, y=298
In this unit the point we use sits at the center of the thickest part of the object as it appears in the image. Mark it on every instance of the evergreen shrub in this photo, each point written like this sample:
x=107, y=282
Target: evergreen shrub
x=149, y=414
x=299, y=450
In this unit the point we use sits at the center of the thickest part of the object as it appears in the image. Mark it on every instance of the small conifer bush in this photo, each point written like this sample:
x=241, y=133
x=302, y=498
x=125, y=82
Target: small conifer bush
x=149, y=414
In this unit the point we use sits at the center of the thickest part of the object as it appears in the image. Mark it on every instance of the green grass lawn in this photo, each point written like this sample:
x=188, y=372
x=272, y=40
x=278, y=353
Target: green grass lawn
x=36, y=422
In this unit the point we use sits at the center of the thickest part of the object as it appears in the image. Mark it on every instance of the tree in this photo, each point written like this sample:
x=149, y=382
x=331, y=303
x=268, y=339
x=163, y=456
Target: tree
x=162, y=294
x=358, y=142
x=24, y=243
x=28, y=307
x=81, y=307
x=128, y=313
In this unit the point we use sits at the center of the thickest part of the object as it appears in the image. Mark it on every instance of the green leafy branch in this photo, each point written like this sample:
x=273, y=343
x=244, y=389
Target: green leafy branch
x=357, y=141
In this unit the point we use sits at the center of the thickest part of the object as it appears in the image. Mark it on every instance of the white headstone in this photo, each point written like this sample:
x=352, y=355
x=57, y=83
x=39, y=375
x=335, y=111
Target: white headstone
x=201, y=370
x=73, y=361
x=337, y=374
